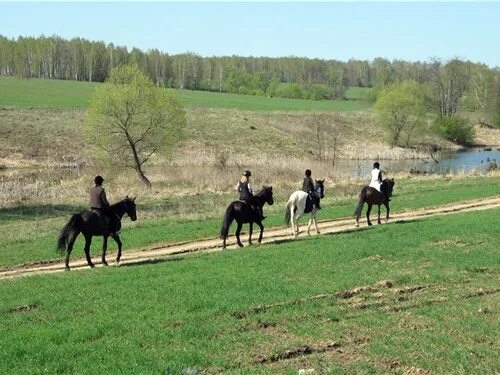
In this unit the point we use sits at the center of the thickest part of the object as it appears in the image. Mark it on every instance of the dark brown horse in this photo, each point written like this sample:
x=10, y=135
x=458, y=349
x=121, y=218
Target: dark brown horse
x=89, y=223
x=372, y=196
x=243, y=213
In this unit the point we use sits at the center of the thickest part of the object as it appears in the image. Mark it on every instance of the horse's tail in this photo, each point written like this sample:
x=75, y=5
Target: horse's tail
x=226, y=221
x=67, y=231
x=288, y=211
x=362, y=200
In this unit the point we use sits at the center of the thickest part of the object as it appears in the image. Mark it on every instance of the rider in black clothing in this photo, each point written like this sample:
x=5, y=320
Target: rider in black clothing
x=246, y=193
x=308, y=187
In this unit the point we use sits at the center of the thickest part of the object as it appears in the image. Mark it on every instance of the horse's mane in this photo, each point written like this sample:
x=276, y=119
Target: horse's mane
x=264, y=190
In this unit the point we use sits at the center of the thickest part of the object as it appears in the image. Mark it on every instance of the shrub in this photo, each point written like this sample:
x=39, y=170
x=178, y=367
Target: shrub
x=455, y=129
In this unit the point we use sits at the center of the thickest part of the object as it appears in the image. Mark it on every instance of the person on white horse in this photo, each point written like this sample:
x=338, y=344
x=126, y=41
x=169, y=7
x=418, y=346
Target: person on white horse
x=376, y=180
x=309, y=188
x=245, y=189
x=298, y=204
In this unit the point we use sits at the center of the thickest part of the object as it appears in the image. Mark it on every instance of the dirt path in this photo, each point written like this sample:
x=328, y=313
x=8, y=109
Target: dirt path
x=155, y=253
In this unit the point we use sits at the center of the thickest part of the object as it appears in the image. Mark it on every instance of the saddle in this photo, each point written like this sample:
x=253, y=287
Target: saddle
x=107, y=219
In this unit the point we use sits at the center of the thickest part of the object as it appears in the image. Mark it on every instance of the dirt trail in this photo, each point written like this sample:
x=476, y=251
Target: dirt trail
x=155, y=253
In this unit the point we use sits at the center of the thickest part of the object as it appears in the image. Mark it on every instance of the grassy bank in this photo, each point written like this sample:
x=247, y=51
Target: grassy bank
x=30, y=231
x=273, y=309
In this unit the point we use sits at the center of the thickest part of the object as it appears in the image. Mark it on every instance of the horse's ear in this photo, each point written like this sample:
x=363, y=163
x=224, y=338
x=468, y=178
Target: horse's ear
x=126, y=197
x=133, y=199
x=323, y=181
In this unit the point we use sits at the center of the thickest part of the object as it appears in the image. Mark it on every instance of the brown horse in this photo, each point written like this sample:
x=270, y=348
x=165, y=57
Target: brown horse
x=372, y=196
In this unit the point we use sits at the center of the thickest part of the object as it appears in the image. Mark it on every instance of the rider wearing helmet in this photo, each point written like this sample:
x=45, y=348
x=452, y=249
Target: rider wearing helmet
x=376, y=181
x=246, y=193
x=99, y=203
x=309, y=188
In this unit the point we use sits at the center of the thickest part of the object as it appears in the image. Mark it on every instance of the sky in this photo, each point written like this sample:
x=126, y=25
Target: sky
x=412, y=31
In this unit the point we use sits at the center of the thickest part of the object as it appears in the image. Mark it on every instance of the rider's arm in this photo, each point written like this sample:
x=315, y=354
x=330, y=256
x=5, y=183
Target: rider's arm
x=250, y=189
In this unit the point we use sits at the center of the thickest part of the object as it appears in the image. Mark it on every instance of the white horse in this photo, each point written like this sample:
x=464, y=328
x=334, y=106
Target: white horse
x=297, y=206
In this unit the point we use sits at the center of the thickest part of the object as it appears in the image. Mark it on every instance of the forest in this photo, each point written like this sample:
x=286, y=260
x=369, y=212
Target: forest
x=476, y=85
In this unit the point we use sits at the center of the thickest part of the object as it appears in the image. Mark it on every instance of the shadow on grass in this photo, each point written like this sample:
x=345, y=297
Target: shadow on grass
x=43, y=211
x=153, y=261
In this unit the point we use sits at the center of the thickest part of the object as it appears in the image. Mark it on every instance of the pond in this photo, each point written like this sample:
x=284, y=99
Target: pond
x=466, y=161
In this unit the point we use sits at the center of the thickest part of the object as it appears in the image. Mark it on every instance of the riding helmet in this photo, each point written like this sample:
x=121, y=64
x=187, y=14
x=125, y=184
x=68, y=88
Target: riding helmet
x=98, y=180
x=376, y=165
x=308, y=172
x=247, y=173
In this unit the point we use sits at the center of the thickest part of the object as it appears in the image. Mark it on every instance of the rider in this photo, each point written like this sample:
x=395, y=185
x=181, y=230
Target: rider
x=376, y=181
x=246, y=193
x=309, y=188
x=99, y=203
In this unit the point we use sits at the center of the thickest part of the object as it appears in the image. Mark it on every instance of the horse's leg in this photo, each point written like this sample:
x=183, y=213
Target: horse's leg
x=250, y=230
x=387, y=210
x=368, y=214
x=261, y=231
x=116, y=237
x=316, y=223
x=88, y=241
x=238, y=230
x=378, y=215
x=292, y=218
x=309, y=226
x=71, y=242
x=104, y=248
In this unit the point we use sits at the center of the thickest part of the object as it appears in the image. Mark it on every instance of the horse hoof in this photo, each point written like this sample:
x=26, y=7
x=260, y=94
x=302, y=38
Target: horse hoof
x=104, y=263
x=370, y=224
x=67, y=269
x=91, y=265
x=240, y=245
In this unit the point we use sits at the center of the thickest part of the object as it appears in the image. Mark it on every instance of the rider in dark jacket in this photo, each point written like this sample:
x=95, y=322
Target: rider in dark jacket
x=308, y=187
x=99, y=203
x=246, y=193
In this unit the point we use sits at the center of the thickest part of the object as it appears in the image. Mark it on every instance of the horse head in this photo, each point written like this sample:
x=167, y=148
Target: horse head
x=390, y=185
x=320, y=188
x=267, y=194
x=129, y=207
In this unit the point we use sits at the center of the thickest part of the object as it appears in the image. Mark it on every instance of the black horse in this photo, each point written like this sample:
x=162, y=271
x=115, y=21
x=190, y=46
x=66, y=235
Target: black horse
x=90, y=223
x=243, y=213
x=372, y=196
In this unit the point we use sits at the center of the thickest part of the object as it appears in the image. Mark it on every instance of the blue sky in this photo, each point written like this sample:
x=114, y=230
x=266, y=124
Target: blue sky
x=330, y=30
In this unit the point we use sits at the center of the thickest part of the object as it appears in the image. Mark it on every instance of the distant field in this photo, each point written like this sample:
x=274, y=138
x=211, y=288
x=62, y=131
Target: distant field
x=70, y=94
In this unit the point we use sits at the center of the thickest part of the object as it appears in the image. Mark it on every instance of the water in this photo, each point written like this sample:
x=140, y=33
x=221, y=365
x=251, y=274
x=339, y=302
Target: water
x=466, y=161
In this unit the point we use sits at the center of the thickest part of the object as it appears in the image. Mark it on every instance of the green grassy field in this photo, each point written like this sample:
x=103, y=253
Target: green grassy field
x=273, y=309
x=71, y=95
x=31, y=231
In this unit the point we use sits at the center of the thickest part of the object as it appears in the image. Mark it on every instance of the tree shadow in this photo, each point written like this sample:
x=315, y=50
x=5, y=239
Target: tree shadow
x=42, y=211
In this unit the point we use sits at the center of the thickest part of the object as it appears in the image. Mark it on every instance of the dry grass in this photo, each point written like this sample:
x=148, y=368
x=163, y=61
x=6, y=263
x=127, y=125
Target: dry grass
x=219, y=144
x=487, y=136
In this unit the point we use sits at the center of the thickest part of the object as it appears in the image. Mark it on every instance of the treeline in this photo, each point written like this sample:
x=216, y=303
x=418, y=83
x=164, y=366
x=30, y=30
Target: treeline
x=293, y=77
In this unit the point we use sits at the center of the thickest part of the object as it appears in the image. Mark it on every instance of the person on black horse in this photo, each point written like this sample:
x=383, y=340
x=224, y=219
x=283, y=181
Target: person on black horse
x=309, y=188
x=376, y=181
x=246, y=193
x=99, y=204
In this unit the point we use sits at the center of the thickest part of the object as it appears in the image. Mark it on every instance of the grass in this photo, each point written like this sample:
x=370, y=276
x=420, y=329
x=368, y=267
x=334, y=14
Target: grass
x=31, y=231
x=76, y=95
x=242, y=312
